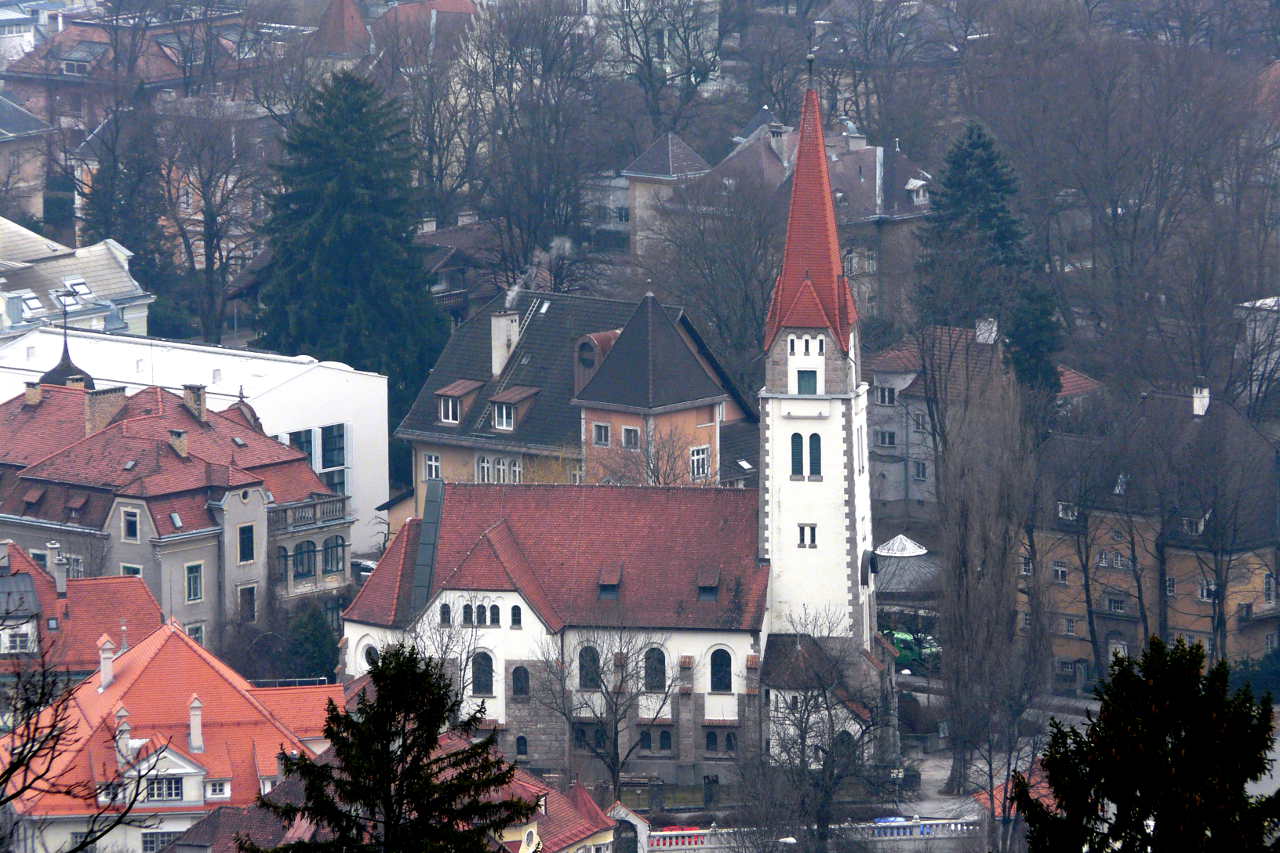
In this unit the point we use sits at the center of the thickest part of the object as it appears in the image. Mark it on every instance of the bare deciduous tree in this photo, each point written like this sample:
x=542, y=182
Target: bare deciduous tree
x=606, y=684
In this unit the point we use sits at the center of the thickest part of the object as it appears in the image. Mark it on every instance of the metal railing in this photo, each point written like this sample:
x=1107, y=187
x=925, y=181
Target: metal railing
x=309, y=514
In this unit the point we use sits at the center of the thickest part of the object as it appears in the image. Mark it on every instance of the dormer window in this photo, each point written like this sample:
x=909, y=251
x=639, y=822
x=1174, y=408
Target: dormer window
x=504, y=416
x=1068, y=511
x=78, y=69
x=449, y=409
x=610, y=579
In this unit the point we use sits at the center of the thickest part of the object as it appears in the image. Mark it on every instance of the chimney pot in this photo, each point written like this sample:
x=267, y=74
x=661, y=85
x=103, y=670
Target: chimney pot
x=101, y=406
x=33, y=394
x=178, y=441
x=193, y=398
x=1200, y=397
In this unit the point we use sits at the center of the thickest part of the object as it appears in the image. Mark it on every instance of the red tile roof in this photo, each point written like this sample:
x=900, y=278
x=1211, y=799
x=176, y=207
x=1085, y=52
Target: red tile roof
x=302, y=709
x=92, y=607
x=548, y=543
x=155, y=681
x=132, y=455
x=342, y=31
x=811, y=292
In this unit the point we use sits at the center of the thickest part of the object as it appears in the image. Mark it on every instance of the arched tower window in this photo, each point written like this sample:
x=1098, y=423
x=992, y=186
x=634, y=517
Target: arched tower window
x=515, y=616
x=815, y=455
x=522, y=745
x=445, y=616
x=495, y=616
x=797, y=455
x=519, y=681
x=481, y=614
x=466, y=614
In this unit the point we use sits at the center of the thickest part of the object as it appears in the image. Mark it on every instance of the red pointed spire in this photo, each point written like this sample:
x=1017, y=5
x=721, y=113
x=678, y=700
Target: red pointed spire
x=811, y=292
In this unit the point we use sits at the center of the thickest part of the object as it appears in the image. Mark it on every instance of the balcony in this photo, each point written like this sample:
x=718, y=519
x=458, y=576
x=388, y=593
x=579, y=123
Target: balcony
x=307, y=515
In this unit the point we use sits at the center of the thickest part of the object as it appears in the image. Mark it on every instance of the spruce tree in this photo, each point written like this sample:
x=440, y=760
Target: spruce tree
x=345, y=281
x=974, y=263
x=390, y=781
x=1163, y=766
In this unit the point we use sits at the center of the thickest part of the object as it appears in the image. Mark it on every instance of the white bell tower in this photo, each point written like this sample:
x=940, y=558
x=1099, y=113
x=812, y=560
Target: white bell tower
x=815, y=495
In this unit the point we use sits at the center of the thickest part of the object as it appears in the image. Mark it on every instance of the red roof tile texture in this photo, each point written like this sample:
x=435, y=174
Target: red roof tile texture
x=549, y=543
x=155, y=681
x=92, y=607
x=811, y=292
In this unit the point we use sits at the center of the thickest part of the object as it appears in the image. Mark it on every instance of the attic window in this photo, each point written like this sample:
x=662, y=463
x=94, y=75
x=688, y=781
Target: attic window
x=76, y=501
x=746, y=466
x=80, y=69
x=546, y=303
x=1122, y=483
x=33, y=495
x=176, y=519
x=78, y=287
x=708, y=583
x=238, y=441
x=708, y=593
x=608, y=592
x=52, y=623
x=131, y=464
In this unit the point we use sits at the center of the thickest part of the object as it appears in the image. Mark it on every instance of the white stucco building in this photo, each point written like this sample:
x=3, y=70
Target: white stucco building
x=334, y=413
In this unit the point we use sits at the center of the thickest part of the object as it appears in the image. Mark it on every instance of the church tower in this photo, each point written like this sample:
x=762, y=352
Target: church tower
x=815, y=496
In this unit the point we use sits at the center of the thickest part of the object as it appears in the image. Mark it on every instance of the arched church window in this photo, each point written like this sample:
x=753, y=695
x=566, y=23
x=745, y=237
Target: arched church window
x=815, y=455
x=797, y=455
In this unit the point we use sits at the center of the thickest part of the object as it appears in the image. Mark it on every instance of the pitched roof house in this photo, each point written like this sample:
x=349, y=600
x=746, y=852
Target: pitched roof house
x=42, y=278
x=67, y=622
x=166, y=714
x=504, y=401
x=524, y=582
x=207, y=509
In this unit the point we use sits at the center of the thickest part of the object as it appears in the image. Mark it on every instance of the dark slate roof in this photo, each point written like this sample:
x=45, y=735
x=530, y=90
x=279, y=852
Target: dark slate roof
x=64, y=370
x=764, y=116
x=797, y=662
x=650, y=366
x=543, y=359
x=15, y=121
x=1173, y=462
x=740, y=442
x=668, y=157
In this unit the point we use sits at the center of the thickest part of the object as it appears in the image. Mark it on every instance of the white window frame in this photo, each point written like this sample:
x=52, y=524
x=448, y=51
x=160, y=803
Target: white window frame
x=700, y=462
x=886, y=395
x=450, y=410
x=126, y=573
x=186, y=580
x=218, y=790
x=1061, y=572
x=630, y=438
x=919, y=471
x=1068, y=511
x=125, y=514
x=599, y=430
x=808, y=536
x=517, y=470
x=195, y=631
x=253, y=543
x=918, y=422
x=1069, y=626
x=1170, y=587
x=504, y=416
x=484, y=469
x=886, y=438
x=165, y=785
x=1207, y=589
x=1117, y=605
x=431, y=465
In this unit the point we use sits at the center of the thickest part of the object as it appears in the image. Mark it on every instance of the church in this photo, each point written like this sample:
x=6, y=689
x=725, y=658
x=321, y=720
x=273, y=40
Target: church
x=663, y=624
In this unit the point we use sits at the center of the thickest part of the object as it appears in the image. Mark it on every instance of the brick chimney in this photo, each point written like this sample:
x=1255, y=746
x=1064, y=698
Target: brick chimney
x=195, y=729
x=101, y=406
x=193, y=399
x=178, y=441
x=33, y=394
x=106, y=662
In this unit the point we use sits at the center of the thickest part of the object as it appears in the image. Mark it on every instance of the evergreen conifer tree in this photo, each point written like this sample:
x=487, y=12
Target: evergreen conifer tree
x=345, y=281
x=974, y=262
x=392, y=782
x=1163, y=766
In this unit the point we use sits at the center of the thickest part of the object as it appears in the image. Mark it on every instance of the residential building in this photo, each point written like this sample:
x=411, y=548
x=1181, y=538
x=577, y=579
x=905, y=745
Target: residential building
x=529, y=391
x=22, y=147
x=563, y=822
x=880, y=198
x=46, y=282
x=183, y=727
x=904, y=463
x=72, y=80
x=1164, y=524
x=64, y=617
x=651, y=178
x=698, y=580
x=220, y=519
x=334, y=414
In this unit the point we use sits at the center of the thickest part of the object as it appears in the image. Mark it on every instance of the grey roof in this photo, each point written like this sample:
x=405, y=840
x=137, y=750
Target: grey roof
x=542, y=359
x=23, y=244
x=83, y=51
x=669, y=157
x=916, y=577
x=739, y=443
x=15, y=121
x=650, y=366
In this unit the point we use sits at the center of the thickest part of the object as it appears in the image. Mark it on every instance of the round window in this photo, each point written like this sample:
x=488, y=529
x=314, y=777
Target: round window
x=244, y=496
x=528, y=838
x=371, y=655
